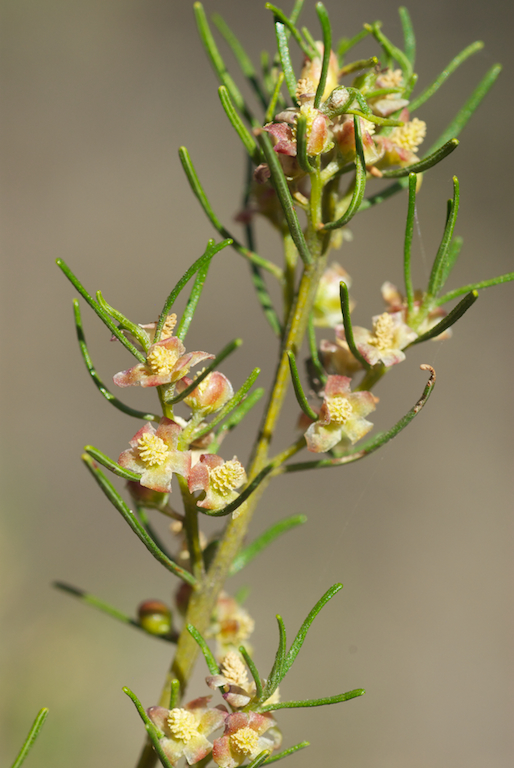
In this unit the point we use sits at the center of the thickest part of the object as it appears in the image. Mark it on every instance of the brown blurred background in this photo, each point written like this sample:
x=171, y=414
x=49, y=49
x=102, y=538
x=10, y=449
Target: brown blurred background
x=97, y=96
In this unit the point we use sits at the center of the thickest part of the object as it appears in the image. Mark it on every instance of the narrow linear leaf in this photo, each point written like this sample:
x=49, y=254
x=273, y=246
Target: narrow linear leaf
x=99, y=311
x=380, y=439
x=200, y=195
x=359, y=186
x=297, y=9
x=238, y=415
x=270, y=111
x=111, y=465
x=129, y=517
x=451, y=258
x=145, y=522
x=207, y=653
x=291, y=28
x=438, y=269
x=249, y=553
x=285, y=59
x=346, y=44
x=278, y=670
x=327, y=50
x=31, y=737
x=355, y=66
x=302, y=632
x=301, y=397
x=319, y=371
x=449, y=320
x=348, y=328
x=376, y=119
x=192, y=302
x=409, y=38
x=153, y=732
x=391, y=50
x=427, y=162
x=474, y=287
x=313, y=702
x=383, y=195
x=241, y=56
x=253, y=671
x=259, y=760
x=95, y=602
x=407, y=247
x=96, y=378
x=234, y=401
x=174, y=693
x=301, y=144
x=225, y=352
x=125, y=323
x=287, y=752
x=263, y=295
x=242, y=131
x=429, y=91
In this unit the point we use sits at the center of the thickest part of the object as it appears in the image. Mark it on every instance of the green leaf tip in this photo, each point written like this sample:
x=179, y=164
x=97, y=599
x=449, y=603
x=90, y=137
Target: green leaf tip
x=31, y=737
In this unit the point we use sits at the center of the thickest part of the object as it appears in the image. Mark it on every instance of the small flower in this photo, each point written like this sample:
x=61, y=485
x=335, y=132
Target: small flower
x=210, y=395
x=166, y=362
x=395, y=302
x=344, y=134
x=218, y=479
x=387, y=339
x=400, y=146
x=154, y=455
x=238, y=689
x=149, y=329
x=186, y=729
x=243, y=739
x=327, y=304
x=232, y=625
x=341, y=416
x=336, y=357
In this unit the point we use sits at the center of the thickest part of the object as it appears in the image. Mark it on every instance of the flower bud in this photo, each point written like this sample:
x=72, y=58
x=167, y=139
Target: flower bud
x=210, y=395
x=146, y=497
x=155, y=617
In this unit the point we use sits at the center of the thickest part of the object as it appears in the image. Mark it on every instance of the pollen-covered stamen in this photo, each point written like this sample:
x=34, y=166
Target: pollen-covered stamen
x=182, y=724
x=393, y=78
x=245, y=741
x=305, y=90
x=340, y=409
x=162, y=361
x=152, y=450
x=410, y=135
x=234, y=669
x=169, y=325
x=227, y=477
x=383, y=332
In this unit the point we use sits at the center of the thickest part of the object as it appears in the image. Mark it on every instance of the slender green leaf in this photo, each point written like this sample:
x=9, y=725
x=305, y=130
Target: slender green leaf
x=355, y=66
x=265, y=300
x=99, y=311
x=246, y=555
x=438, y=269
x=298, y=389
x=242, y=131
x=327, y=50
x=96, y=378
x=238, y=415
x=474, y=287
x=346, y=43
x=348, y=328
x=383, y=195
x=207, y=653
x=301, y=144
x=225, y=352
x=409, y=38
x=285, y=59
x=199, y=193
x=451, y=257
x=429, y=91
x=407, y=248
x=391, y=50
x=427, y=162
x=449, y=320
x=313, y=702
x=286, y=201
x=145, y=522
x=281, y=17
x=376, y=119
x=259, y=760
x=297, y=9
x=310, y=40
x=124, y=322
x=302, y=632
x=192, y=302
x=253, y=671
x=319, y=371
x=211, y=250
x=278, y=669
x=234, y=401
x=359, y=185
x=287, y=752
x=129, y=517
x=111, y=465
x=95, y=602
x=174, y=693
x=379, y=440
x=274, y=98
x=153, y=732
x=31, y=737
x=241, y=56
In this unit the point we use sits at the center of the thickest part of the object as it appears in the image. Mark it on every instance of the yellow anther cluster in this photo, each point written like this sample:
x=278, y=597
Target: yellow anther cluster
x=233, y=668
x=245, y=741
x=182, y=724
x=152, y=450
x=305, y=89
x=169, y=325
x=161, y=360
x=340, y=409
x=383, y=332
x=410, y=135
x=393, y=78
x=227, y=476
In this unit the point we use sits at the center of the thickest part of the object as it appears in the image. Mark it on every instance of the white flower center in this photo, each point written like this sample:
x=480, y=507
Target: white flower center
x=162, y=361
x=245, y=741
x=383, y=332
x=340, y=409
x=152, y=450
x=182, y=724
x=226, y=477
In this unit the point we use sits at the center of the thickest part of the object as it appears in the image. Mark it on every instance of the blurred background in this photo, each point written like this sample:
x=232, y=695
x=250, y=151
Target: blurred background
x=97, y=97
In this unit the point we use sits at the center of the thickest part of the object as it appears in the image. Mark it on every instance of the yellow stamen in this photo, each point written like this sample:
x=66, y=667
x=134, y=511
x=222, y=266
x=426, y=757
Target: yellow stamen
x=245, y=741
x=182, y=724
x=393, y=78
x=383, y=332
x=234, y=670
x=152, y=450
x=226, y=477
x=169, y=325
x=305, y=89
x=410, y=135
x=162, y=361
x=340, y=409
